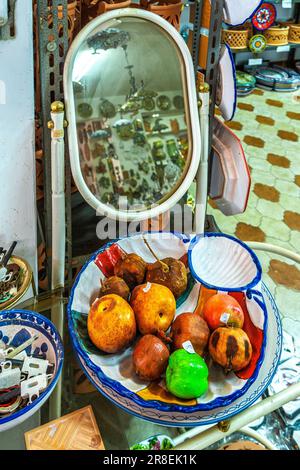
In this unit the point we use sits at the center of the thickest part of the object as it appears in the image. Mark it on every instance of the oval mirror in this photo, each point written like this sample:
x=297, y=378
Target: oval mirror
x=131, y=102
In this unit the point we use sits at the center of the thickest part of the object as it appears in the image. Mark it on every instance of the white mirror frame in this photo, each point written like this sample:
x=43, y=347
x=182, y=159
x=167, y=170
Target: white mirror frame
x=103, y=209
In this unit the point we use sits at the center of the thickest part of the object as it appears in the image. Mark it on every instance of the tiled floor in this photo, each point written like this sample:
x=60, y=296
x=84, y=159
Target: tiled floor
x=268, y=124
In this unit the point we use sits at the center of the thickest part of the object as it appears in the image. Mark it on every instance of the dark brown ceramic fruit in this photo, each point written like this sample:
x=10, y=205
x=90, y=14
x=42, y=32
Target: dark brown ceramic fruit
x=230, y=348
x=190, y=327
x=169, y=272
x=132, y=269
x=150, y=357
x=114, y=285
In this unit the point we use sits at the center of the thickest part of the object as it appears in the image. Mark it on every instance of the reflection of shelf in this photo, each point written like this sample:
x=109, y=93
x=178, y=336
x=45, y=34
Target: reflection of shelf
x=268, y=48
x=170, y=112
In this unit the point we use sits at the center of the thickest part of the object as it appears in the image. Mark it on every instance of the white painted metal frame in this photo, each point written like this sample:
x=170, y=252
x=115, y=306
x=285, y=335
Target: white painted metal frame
x=192, y=102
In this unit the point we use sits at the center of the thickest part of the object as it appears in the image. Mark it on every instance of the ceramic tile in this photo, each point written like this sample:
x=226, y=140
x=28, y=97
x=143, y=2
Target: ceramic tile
x=282, y=173
x=266, y=208
x=287, y=187
x=275, y=229
x=291, y=203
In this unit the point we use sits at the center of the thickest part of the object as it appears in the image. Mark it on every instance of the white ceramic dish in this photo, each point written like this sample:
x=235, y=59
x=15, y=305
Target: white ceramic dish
x=237, y=175
x=106, y=371
x=236, y=12
x=226, y=93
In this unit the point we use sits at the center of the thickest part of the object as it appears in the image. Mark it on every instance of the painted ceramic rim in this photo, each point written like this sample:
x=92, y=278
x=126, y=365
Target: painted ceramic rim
x=123, y=391
x=251, y=284
x=263, y=43
x=260, y=26
x=222, y=415
x=233, y=81
x=27, y=319
x=247, y=19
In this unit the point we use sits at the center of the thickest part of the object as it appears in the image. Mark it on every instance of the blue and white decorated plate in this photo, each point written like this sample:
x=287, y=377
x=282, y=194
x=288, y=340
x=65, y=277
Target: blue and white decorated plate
x=16, y=327
x=113, y=374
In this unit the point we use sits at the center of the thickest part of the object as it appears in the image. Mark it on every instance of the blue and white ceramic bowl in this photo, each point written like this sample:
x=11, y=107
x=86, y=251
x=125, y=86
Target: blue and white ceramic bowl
x=113, y=374
x=17, y=326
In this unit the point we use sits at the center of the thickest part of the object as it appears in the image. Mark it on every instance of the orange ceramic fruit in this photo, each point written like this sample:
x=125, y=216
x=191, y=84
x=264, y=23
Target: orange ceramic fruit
x=230, y=348
x=111, y=323
x=154, y=307
x=190, y=327
x=150, y=357
x=223, y=310
x=132, y=269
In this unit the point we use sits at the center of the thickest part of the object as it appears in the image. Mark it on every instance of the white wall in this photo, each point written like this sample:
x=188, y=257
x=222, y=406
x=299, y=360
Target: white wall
x=17, y=162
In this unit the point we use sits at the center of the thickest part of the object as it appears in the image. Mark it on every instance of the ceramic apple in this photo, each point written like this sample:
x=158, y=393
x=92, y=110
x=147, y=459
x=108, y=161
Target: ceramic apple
x=154, y=306
x=150, y=357
x=111, y=323
x=223, y=310
x=190, y=327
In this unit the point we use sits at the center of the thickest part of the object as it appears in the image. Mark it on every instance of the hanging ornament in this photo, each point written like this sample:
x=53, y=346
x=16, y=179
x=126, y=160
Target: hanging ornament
x=257, y=43
x=264, y=17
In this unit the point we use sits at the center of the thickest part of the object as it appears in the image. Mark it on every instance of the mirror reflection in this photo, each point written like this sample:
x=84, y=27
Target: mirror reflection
x=131, y=113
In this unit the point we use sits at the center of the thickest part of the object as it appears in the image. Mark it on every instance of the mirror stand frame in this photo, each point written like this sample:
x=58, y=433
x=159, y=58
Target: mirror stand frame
x=191, y=92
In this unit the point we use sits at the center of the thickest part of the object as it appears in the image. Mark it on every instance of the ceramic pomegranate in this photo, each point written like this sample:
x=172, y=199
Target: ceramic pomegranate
x=114, y=285
x=132, y=269
x=230, y=348
x=190, y=327
x=169, y=272
x=150, y=357
x=223, y=310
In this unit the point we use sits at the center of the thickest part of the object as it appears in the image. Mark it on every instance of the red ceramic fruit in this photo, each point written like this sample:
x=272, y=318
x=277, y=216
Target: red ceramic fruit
x=150, y=357
x=223, y=310
x=190, y=327
x=230, y=348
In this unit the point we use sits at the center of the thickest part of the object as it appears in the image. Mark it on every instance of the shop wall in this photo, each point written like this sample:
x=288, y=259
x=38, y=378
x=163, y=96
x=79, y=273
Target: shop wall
x=17, y=162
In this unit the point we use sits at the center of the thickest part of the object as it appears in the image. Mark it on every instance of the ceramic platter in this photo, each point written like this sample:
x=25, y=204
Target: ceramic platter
x=113, y=374
x=226, y=92
x=264, y=17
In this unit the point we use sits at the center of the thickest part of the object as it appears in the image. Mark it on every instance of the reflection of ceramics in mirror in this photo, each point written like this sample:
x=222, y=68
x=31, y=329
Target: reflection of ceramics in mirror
x=178, y=102
x=85, y=110
x=163, y=102
x=135, y=141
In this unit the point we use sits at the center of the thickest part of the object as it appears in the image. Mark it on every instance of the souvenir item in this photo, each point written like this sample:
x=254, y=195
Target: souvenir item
x=294, y=34
x=227, y=394
x=245, y=83
x=34, y=341
x=178, y=102
x=16, y=278
x=9, y=377
x=235, y=38
x=163, y=103
x=264, y=17
x=230, y=182
x=277, y=35
x=148, y=103
x=74, y=431
x=159, y=442
x=85, y=110
x=276, y=78
x=257, y=43
x=107, y=109
x=226, y=92
x=237, y=12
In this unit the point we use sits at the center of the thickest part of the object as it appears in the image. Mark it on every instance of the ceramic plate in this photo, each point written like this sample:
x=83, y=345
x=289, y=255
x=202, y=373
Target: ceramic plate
x=113, y=374
x=237, y=12
x=226, y=93
x=264, y=17
x=16, y=326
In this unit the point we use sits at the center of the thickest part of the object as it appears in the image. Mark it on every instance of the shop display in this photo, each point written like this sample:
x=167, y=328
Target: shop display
x=154, y=309
x=264, y=17
x=30, y=364
x=276, y=78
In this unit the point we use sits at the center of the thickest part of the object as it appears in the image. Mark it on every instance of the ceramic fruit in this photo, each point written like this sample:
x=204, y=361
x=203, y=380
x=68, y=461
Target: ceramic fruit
x=132, y=269
x=230, y=348
x=114, y=285
x=111, y=323
x=154, y=306
x=190, y=327
x=187, y=375
x=223, y=310
x=150, y=357
x=169, y=272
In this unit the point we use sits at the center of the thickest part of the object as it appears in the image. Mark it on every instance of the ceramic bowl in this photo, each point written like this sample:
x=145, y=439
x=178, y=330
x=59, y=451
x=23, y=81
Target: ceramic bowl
x=16, y=326
x=222, y=262
x=113, y=374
